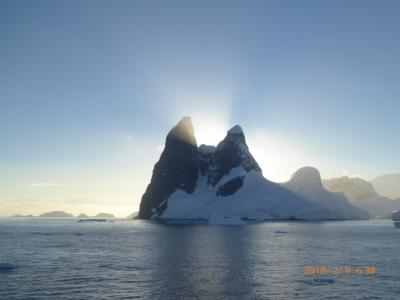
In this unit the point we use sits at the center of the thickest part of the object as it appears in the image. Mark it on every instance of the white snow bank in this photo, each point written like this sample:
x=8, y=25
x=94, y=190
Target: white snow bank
x=257, y=200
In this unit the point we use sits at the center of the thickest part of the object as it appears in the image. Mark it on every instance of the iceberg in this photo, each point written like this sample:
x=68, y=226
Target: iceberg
x=396, y=216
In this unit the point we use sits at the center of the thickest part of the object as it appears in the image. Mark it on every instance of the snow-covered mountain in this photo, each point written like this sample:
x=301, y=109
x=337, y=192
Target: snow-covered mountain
x=388, y=185
x=224, y=184
x=361, y=193
x=307, y=183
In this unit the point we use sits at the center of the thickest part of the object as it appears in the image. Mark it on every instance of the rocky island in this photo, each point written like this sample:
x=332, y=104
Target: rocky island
x=225, y=184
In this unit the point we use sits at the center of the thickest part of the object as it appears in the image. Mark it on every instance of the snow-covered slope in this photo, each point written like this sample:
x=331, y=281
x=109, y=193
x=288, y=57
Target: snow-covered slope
x=256, y=199
x=224, y=184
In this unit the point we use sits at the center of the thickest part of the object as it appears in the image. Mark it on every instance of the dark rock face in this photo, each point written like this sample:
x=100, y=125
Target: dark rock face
x=231, y=186
x=231, y=152
x=177, y=168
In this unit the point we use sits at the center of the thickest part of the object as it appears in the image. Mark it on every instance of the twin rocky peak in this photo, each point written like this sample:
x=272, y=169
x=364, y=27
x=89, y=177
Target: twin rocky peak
x=208, y=182
x=182, y=162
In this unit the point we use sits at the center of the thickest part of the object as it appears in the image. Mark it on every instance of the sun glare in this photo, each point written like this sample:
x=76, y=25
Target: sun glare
x=209, y=131
x=277, y=158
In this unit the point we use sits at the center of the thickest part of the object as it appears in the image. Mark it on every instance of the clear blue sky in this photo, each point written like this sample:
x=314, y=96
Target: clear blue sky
x=89, y=89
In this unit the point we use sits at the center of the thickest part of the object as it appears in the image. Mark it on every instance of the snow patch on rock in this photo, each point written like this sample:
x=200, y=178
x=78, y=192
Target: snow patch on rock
x=206, y=149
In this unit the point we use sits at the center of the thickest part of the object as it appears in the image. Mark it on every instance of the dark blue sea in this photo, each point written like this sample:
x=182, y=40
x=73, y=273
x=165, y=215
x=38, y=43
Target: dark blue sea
x=64, y=259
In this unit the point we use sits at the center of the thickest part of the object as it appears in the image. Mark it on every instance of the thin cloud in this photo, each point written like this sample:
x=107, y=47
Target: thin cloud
x=22, y=201
x=44, y=184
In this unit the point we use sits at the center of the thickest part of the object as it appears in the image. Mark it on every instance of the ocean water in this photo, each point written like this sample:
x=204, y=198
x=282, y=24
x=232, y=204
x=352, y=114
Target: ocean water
x=64, y=259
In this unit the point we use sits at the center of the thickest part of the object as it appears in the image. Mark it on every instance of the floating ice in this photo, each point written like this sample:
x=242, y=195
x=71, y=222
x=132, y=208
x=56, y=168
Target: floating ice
x=7, y=266
x=218, y=220
x=396, y=216
x=280, y=232
x=322, y=280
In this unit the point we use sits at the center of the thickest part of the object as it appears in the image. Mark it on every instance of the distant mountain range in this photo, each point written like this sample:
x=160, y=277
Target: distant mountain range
x=363, y=194
x=63, y=214
x=224, y=184
x=387, y=185
x=56, y=214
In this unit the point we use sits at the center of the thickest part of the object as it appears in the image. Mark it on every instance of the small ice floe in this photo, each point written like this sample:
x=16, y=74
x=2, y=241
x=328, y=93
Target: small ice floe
x=92, y=220
x=323, y=280
x=7, y=266
x=396, y=216
x=42, y=233
x=218, y=220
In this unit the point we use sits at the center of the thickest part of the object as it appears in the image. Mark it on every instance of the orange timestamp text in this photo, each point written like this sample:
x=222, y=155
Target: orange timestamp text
x=340, y=270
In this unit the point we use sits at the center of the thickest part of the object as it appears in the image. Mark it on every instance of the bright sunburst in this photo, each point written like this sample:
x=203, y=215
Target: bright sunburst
x=209, y=131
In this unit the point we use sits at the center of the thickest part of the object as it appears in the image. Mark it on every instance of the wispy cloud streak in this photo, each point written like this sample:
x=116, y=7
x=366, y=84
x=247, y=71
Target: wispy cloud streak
x=44, y=184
